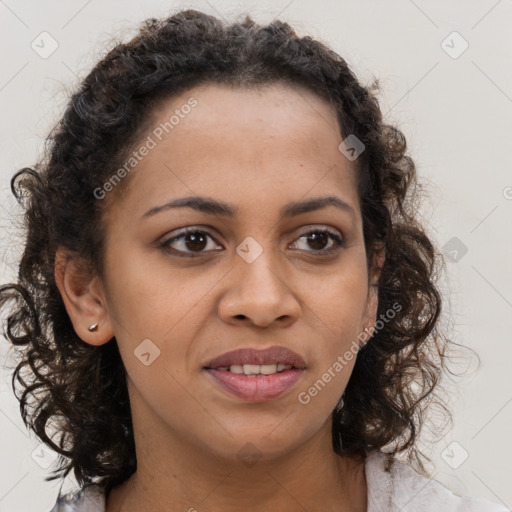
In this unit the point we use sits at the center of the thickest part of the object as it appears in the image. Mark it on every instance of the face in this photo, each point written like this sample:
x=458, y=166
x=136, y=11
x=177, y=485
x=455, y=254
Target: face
x=248, y=275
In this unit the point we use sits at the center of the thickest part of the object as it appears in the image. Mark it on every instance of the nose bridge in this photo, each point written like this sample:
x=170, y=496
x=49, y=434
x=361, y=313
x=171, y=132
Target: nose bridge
x=259, y=266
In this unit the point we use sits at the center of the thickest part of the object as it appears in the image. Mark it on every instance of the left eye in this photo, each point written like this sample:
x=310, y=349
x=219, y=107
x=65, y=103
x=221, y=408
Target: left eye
x=196, y=241
x=319, y=237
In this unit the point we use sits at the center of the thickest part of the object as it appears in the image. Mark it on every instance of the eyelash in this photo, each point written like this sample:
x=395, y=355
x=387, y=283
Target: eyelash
x=339, y=242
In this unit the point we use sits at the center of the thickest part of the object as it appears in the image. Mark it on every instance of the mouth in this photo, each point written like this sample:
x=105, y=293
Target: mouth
x=255, y=369
x=256, y=375
x=253, y=361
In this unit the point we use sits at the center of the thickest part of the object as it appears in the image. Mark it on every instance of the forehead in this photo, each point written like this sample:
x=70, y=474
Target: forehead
x=241, y=117
x=218, y=139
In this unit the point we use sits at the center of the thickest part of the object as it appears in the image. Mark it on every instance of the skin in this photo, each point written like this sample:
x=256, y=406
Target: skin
x=257, y=149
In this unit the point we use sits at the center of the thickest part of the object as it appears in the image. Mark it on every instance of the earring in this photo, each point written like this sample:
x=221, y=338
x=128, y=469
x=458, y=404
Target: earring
x=340, y=404
x=93, y=327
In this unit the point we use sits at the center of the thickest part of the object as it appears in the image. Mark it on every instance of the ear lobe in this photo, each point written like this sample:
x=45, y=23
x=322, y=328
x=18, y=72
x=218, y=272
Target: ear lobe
x=83, y=296
x=379, y=257
x=372, y=303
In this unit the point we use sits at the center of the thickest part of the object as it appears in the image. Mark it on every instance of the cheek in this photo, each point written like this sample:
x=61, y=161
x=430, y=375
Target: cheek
x=336, y=310
x=146, y=296
x=156, y=303
x=339, y=301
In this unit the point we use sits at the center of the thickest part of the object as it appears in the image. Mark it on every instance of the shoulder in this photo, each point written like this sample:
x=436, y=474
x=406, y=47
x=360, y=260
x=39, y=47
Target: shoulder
x=401, y=488
x=88, y=499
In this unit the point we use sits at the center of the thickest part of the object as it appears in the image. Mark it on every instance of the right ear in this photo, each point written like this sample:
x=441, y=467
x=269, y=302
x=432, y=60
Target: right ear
x=83, y=295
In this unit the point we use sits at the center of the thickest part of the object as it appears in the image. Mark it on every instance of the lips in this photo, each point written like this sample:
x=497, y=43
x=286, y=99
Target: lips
x=273, y=355
x=256, y=375
x=256, y=388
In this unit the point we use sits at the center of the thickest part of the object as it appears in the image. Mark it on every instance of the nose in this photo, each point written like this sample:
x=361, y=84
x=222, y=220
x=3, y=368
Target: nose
x=259, y=293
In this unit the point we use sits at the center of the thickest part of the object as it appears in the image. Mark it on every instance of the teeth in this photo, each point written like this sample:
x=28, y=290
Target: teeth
x=256, y=369
x=268, y=369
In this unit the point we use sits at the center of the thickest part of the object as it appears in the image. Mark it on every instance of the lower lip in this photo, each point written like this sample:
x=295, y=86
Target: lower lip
x=256, y=387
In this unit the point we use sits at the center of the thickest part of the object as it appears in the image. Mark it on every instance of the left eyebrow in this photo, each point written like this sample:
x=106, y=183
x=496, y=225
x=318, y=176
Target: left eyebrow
x=221, y=209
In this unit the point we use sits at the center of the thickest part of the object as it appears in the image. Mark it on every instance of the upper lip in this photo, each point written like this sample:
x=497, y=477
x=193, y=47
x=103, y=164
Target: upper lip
x=272, y=355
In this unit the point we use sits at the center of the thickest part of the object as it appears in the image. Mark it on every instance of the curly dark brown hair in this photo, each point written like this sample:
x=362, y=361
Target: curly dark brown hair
x=79, y=390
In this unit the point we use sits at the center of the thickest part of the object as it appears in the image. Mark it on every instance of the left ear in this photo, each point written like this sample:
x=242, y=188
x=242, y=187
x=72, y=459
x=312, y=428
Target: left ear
x=372, y=303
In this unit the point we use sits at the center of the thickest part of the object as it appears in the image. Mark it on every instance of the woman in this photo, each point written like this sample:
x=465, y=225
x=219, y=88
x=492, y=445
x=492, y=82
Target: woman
x=225, y=299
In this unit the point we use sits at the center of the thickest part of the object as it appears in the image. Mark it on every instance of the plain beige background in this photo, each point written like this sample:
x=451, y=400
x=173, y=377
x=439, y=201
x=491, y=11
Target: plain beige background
x=455, y=108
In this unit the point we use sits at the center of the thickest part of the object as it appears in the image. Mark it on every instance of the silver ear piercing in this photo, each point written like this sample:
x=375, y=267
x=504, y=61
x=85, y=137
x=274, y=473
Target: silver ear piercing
x=340, y=404
x=93, y=327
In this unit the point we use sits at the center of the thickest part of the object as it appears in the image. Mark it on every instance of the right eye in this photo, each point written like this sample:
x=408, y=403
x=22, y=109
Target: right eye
x=191, y=242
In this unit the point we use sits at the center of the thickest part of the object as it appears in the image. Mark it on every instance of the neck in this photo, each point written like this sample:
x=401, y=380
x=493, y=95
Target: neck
x=175, y=474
